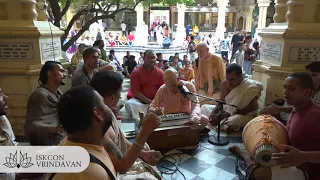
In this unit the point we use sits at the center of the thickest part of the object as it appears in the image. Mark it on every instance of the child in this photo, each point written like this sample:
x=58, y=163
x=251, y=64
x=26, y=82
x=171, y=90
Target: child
x=186, y=73
x=239, y=55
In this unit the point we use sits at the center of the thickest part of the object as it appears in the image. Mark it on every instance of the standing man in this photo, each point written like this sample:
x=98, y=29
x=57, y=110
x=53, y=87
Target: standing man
x=123, y=28
x=144, y=84
x=188, y=28
x=99, y=36
x=225, y=46
x=42, y=119
x=234, y=41
x=210, y=72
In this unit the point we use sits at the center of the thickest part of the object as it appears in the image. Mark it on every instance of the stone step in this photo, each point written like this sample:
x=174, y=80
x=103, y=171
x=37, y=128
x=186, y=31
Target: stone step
x=155, y=48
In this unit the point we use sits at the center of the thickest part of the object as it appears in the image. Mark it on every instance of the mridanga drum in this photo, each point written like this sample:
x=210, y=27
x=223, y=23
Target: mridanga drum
x=262, y=137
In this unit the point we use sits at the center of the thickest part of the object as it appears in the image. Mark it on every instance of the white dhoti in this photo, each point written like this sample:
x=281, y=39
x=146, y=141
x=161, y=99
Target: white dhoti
x=236, y=122
x=134, y=106
x=240, y=96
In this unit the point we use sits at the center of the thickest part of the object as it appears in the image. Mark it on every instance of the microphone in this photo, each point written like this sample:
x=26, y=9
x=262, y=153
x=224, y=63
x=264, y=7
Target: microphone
x=184, y=90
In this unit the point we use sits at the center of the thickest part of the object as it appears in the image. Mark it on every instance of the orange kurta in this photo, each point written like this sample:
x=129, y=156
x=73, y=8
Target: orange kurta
x=209, y=69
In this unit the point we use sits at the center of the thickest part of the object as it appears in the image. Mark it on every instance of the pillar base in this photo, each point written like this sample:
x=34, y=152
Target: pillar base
x=24, y=47
x=285, y=48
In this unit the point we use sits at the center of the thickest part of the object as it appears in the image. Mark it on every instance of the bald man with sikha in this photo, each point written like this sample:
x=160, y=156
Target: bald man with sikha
x=169, y=100
x=209, y=72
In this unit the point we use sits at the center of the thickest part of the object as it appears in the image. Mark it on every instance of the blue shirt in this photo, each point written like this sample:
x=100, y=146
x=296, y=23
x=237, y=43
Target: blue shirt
x=166, y=41
x=188, y=28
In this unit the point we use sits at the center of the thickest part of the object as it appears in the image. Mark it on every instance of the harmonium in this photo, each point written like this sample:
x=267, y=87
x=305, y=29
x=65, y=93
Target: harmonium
x=172, y=133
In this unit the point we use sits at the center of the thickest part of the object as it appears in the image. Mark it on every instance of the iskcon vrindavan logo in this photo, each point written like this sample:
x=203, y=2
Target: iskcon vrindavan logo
x=43, y=159
x=23, y=162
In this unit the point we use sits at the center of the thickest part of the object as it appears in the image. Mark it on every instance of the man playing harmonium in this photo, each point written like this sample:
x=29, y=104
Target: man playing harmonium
x=169, y=100
x=301, y=161
x=238, y=91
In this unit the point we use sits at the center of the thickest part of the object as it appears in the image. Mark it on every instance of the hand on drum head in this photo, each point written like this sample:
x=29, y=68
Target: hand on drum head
x=272, y=110
x=287, y=159
x=150, y=123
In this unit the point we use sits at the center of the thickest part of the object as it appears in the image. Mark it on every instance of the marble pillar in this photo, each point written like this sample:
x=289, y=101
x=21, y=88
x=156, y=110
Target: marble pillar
x=42, y=11
x=249, y=18
x=287, y=46
x=25, y=45
x=181, y=30
x=281, y=10
x=140, y=34
x=221, y=27
x=263, y=9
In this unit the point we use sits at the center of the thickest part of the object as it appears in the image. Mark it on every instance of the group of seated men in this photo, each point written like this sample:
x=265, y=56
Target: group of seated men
x=87, y=114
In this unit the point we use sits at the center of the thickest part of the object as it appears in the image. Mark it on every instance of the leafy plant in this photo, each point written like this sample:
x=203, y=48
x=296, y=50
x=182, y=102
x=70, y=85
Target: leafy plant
x=94, y=10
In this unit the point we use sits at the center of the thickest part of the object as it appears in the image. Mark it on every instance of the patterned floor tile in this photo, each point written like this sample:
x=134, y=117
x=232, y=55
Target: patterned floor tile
x=198, y=178
x=241, y=145
x=209, y=156
x=191, y=152
x=184, y=175
x=195, y=165
x=176, y=156
x=227, y=164
x=224, y=152
x=214, y=173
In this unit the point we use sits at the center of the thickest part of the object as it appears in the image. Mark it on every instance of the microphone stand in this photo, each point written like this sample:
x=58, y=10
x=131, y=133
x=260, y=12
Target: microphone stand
x=218, y=141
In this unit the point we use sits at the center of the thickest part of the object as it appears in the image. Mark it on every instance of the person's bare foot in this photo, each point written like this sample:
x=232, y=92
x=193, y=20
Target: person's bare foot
x=243, y=154
x=235, y=150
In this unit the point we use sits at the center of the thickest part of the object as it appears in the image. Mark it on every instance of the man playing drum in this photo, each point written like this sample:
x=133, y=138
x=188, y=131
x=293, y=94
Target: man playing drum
x=238, y=91
x=301, y=161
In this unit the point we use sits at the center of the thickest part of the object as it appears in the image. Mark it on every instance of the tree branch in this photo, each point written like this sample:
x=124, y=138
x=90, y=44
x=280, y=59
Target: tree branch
x=72, y=21
x=65, y=9
x=55, y=8
x=106, y=15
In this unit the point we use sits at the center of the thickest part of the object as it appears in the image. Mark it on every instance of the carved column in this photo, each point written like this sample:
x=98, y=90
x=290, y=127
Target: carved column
x=181, y=31
x=3, y=10
x=249, y=18
x=317, y=16
x=42, y=10
x=139, y=34
x=263, y=8
x=222, y=7
x=310, y=11
x=28, y=10
x=281, y=10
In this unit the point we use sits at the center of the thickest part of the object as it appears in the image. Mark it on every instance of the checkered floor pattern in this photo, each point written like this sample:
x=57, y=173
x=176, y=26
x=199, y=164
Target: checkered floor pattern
x=205, y=161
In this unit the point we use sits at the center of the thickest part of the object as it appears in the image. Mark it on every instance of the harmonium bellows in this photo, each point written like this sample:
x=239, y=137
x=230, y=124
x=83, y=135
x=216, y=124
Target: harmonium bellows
x=172, y=133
